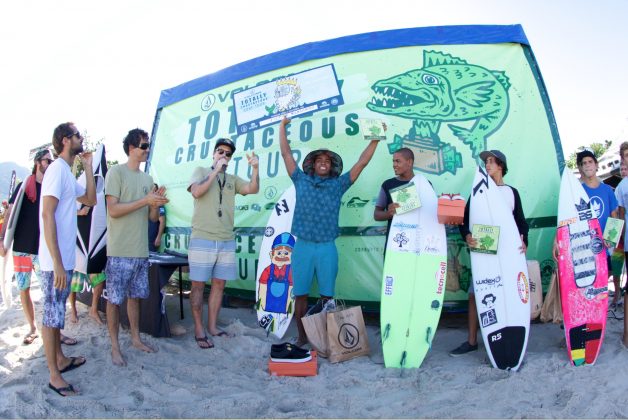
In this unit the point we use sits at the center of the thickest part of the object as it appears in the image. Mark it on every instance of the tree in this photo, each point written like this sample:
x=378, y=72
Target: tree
x=89, y=145
x=598, y=150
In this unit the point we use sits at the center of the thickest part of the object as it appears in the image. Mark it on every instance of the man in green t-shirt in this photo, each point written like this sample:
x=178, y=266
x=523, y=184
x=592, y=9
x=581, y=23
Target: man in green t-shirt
x=211, y=252
x=131, y=201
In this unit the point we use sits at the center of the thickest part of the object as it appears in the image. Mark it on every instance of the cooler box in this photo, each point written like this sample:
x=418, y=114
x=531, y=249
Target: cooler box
x=450, y=212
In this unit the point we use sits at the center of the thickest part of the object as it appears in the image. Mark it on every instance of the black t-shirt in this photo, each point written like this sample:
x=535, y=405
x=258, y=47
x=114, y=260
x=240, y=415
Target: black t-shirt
x=26, y=238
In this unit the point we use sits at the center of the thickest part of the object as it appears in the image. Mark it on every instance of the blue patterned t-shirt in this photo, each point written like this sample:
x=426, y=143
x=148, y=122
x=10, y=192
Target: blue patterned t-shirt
x=317, y=206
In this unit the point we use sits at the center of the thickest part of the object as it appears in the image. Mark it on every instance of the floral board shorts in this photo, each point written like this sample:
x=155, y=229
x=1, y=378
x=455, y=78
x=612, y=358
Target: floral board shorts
x=54, y=299
x=126, y=277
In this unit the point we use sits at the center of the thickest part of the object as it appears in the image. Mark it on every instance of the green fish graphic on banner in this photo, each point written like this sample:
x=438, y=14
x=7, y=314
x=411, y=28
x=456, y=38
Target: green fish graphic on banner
x=445, y=89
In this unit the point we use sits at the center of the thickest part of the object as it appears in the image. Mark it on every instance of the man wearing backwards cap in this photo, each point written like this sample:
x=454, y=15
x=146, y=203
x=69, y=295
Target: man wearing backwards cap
x=319, y=188
x=211, y=252
x=496, y=167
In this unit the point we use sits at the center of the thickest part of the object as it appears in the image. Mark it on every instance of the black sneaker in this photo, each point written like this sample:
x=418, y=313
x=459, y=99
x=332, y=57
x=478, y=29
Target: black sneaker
x=464, y=348
x=287, y=346
x=290, y=354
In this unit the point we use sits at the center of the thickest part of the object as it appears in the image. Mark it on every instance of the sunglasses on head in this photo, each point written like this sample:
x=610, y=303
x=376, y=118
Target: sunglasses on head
x=144, y=146
x=224, y=152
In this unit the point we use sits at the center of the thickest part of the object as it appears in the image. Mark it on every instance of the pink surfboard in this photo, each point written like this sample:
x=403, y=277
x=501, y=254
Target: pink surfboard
x=582, y=272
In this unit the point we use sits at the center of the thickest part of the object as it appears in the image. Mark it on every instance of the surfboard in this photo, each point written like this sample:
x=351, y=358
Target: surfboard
x=413, y=283
x=273, y=290
x=582, y=272
x=9, y=234
x=15, y=214
x=502, y=288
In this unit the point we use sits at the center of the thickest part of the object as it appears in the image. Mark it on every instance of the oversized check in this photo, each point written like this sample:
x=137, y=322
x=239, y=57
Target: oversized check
x=300, y=93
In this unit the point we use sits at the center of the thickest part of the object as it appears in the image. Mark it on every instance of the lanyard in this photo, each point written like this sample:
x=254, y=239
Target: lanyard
x=221, y=186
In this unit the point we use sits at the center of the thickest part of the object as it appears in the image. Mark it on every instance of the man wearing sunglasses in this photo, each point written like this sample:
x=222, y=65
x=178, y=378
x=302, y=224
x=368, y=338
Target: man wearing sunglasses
x=131, y=201
x=320, y=187
x=57, y=253
x=211, y=252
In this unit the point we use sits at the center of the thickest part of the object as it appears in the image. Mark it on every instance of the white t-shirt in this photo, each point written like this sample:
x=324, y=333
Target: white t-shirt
x=58, y=182
x=508, y=195
x=621, y=194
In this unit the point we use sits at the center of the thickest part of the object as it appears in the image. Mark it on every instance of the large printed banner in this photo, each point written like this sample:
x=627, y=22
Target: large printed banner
x=447, y=93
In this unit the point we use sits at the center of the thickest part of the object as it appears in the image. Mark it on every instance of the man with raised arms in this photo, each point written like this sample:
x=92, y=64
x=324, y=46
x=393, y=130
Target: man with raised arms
x=319, y=188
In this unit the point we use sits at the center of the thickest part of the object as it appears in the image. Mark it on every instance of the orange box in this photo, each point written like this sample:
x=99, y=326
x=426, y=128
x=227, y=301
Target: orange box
x=451, y=212
x=309, y=368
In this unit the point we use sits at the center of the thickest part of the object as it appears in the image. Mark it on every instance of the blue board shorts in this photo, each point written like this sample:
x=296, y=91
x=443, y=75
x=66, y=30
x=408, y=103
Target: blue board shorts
x=54, y=299
x=126, y=277
x=212, y=260
x=314, y=258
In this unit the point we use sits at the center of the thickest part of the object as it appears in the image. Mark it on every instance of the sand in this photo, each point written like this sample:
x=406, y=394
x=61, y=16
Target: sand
x=232, y=380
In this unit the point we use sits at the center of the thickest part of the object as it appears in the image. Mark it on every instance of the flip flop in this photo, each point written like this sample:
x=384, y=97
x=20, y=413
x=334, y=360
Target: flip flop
x=61, y=391
x=29, y=339
x=222, y=334
x=204, y=340
x=68, y=341
x=74, y=364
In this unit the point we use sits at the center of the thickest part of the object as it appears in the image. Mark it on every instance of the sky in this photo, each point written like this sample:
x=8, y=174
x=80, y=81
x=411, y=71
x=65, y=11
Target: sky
x=103, y=64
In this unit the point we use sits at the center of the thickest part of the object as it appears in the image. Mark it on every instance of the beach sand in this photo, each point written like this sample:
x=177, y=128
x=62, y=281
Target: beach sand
x=232, y=380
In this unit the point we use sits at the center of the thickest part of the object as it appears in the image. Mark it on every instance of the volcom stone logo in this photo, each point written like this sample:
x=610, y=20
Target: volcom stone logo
x=348, y=336
x=445, y=89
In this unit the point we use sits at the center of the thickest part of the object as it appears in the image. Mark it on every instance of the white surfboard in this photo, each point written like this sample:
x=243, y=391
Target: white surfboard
x=9, y=234
x=414, y=279
x=15, y=214
x=502, y=289
x=273, y=289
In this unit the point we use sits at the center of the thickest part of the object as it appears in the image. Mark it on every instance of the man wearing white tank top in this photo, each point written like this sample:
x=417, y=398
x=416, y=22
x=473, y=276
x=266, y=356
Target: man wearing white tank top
x=495, y=163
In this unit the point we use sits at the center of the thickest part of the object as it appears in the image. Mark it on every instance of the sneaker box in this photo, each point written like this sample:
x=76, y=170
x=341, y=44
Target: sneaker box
x=309, y=368
x=450, y=212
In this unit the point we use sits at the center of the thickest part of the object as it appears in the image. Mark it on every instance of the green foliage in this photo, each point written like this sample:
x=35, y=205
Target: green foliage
x=89, y=145
x=598, y=149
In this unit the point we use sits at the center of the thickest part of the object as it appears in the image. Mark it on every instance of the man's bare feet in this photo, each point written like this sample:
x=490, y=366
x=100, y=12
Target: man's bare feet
x=117, y=358
x=73, y=317
x=95, y=316
x=144, y=347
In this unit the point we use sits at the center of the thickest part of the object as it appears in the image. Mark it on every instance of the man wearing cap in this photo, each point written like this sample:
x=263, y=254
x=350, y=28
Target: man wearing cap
x=26, y=237
x=211, y=252
x=319, y=189
x=496, y=167
x=131, y=202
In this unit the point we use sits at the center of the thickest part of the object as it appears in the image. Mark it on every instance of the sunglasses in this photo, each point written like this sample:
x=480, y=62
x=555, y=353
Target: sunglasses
x=144, y=146
x=46, y=160
x=77, y=134
x=224, y=152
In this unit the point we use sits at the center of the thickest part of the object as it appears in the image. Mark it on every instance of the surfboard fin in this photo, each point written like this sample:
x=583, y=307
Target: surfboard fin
x=289, y=308
x=403, y=359
x=386, y=332
x=428, y=337
x=258, y=304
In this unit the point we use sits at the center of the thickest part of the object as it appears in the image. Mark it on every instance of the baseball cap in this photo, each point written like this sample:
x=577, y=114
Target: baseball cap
x=225, y=142
x=496, y=154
